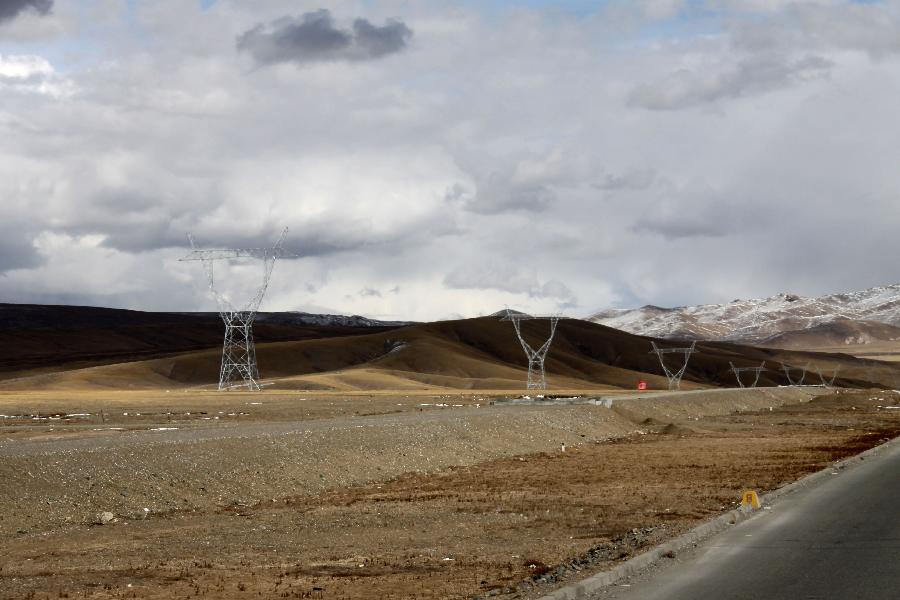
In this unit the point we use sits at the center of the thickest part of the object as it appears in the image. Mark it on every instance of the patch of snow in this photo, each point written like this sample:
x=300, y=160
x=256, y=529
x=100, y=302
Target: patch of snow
x=760, y=318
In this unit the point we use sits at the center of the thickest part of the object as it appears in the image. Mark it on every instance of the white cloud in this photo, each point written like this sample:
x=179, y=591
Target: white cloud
x=503, y=158
x=511, y=278
x=32, y=74
x=711, y=83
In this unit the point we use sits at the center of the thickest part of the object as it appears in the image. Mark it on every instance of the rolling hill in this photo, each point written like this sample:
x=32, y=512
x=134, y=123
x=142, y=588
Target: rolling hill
x=40, y=338
x=469, y=354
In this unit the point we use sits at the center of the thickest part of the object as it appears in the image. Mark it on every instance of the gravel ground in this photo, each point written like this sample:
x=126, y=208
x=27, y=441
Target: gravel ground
x=69, y=477
x=449, y=503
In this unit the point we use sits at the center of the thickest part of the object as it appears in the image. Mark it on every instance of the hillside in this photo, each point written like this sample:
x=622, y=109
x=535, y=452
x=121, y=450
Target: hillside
x=840, y=333
x=36, y=338
x=477, y=354
x=770, y=320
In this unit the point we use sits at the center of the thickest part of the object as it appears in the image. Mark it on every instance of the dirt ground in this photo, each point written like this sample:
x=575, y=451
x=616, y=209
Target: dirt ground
x=77, y=411
x=500, y=509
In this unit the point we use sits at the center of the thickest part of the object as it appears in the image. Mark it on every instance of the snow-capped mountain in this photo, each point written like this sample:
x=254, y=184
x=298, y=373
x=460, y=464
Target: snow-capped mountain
x=756, y=321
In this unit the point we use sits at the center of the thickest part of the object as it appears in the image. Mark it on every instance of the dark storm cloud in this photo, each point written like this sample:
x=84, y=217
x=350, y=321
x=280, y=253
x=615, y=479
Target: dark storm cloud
x=17, y=252
x=509, y=278
x=682, y=227
x=143, y=238
x=637, y=179
x=378, y=41
x=697, y=209
x=314, y=36
x=10, y=9
x=133, y=220
x=687, y=88
x=498, y=194
x=304, y=241
x=315, y=238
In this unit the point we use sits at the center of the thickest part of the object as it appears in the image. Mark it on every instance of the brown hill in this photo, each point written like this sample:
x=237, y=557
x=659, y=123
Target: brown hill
x=477, y=354
x=40, y=338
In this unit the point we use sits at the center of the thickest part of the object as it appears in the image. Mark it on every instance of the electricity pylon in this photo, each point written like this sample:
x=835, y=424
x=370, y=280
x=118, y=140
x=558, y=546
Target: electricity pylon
x=674, y=377
x=239, y=369
x=787, y=372
x=536, y=376
x=828, y=382
x=738, y=370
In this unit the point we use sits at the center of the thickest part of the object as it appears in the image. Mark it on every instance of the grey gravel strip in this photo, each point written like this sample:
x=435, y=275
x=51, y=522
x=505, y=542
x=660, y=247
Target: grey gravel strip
x=631, y=567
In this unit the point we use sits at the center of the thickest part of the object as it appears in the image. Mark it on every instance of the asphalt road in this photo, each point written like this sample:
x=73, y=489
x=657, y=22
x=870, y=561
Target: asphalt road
x=837, y=540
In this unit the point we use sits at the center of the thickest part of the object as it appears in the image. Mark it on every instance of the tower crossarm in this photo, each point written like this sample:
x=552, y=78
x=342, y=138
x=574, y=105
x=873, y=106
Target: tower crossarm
x=276, y=251
x=757, y=371
x=267, y=255
x=513, y=316
x=761, y=367
x=260, y=253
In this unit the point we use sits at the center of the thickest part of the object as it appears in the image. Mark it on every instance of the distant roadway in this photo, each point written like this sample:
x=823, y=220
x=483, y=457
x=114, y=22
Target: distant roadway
x=838, y=540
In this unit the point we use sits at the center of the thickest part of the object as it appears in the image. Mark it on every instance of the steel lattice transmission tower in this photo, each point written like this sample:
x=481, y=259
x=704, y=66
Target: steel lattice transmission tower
x=536, y=377
x=828, y=382
x=239, y=369
x=738, y=370
x=674, y=377
x=787, y=372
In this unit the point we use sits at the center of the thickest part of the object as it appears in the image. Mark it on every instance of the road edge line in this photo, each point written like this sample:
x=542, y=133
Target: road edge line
x=706, y=530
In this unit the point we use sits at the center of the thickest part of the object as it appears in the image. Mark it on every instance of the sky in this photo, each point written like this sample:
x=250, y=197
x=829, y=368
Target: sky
x=439, y=159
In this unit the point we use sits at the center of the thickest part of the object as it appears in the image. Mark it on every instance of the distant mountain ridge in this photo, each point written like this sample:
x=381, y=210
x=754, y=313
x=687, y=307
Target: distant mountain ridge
x=855, y=317
x=40, y=316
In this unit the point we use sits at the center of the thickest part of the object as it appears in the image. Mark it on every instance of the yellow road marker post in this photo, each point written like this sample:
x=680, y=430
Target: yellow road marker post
x=750, y=497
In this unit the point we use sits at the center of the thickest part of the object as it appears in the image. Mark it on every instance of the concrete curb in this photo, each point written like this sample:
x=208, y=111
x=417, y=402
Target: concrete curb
x=631, y=567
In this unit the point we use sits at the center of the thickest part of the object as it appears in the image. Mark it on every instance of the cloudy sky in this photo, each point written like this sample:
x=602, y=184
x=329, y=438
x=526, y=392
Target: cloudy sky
x=435, y=159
